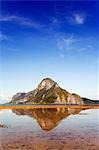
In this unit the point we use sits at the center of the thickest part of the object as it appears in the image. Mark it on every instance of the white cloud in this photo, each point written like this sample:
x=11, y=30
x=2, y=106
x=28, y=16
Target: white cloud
x=65, y=43
x=76, y=18
x=3, y=37
x=20, y=21
x=79, y=19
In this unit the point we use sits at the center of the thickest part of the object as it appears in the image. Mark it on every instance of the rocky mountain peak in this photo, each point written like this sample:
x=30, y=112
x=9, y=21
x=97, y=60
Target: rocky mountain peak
x=48, y=91
x=47, y=83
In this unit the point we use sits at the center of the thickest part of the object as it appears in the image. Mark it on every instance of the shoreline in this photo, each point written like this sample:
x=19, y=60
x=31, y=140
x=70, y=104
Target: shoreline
x=37, y=106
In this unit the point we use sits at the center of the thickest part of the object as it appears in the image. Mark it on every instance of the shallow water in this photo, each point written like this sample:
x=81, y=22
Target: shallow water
x=49, y=129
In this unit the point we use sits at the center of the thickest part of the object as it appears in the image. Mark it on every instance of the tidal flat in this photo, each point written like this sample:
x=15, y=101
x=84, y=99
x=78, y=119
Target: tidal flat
x=49, y=128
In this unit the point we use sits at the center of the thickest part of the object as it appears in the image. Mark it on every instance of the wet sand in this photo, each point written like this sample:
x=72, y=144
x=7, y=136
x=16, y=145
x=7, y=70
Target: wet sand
x=64, y=141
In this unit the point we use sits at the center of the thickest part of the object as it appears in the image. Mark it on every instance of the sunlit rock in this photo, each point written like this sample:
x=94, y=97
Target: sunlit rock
x=47, y=92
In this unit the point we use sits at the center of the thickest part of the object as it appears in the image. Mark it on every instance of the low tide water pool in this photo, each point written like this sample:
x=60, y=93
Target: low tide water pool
x=49, y=129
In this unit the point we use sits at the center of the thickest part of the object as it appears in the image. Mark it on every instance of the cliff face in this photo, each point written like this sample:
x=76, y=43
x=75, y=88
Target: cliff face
x=47, y=92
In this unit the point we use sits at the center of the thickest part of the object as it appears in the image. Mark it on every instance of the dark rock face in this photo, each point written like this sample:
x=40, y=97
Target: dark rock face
x=88, y=101
x=3, y=126
x=47, y=92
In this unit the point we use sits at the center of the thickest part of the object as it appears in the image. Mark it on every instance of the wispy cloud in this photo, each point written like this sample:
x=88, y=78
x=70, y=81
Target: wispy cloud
x=76, y=18
x=55, y=21
x=65, y=43
x=86, y=48
x=3, y=37
x=20, y=21
x=53, y=25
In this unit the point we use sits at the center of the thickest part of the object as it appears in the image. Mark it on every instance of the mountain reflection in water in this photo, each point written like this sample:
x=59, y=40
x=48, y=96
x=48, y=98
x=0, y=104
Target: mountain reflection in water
x=47, y=118
x=69, y=129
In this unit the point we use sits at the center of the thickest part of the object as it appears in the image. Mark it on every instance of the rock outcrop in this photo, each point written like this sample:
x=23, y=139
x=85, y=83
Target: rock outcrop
x=3, y=126
x=89, y=101
x=47, y=92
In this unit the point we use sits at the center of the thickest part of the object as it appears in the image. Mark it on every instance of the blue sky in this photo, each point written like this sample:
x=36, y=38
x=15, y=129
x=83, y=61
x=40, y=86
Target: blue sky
x=56, y=39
